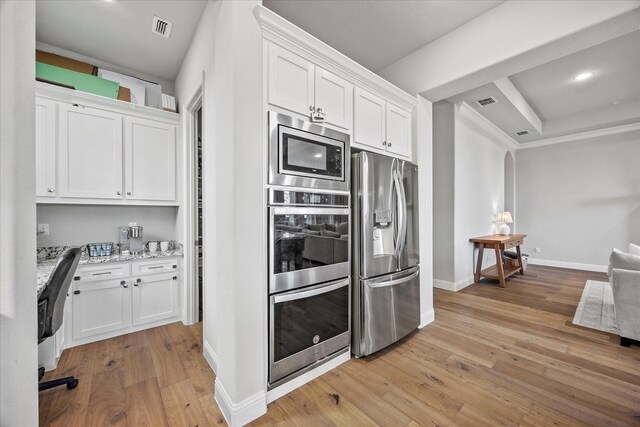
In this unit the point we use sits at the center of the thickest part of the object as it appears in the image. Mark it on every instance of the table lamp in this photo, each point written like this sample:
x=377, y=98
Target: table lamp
x=504, y=218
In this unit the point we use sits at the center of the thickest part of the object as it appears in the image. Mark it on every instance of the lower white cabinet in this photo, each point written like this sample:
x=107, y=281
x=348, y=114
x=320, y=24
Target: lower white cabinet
x=100, y=307
x=111, y=299
x=155, y=297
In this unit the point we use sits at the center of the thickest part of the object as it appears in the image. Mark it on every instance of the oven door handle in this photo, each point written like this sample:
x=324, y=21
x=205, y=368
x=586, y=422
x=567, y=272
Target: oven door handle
x=309, y=211
x=292, y=296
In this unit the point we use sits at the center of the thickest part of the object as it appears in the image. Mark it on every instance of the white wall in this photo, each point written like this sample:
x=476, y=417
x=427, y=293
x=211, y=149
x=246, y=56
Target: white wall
x=228, y=48
x=469, y=186
x=18, y=332
x=80, y=224
x=167, y=85
x=577, y=200
x=443, y=190
x=480, y=149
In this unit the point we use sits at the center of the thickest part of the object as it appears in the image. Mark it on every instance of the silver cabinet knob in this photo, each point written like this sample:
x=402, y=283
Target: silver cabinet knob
x=384, y=142
x=311, y=108
x=124, y=284
x=50, y=190
x=119, y=193
x=389, y=145
x=128, y=193
x=319, y=110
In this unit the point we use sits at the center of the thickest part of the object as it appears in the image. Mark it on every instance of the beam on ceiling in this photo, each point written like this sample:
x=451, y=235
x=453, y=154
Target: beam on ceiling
x=514, y=96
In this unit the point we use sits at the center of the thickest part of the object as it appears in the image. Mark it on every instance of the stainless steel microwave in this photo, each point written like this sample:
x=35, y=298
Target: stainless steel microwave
x=307, y=155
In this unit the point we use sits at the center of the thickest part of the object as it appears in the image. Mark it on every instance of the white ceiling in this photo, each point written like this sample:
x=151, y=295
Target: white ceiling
x=565, y=106
x=120, y=32
x=376, y=34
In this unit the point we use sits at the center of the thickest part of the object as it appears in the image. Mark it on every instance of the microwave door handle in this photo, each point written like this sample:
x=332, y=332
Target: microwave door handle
x=311, y=292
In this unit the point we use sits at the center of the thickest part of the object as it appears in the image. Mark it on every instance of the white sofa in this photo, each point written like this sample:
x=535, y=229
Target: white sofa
x=624, y=276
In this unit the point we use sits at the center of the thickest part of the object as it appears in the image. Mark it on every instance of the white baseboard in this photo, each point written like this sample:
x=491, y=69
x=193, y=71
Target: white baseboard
x=210, y=356
x=571, y=265
x=427, y=317
x=243, y=412
x=453, y=286
x=289, y=386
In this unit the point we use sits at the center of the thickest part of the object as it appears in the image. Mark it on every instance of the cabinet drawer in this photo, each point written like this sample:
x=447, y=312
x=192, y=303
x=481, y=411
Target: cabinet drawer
x=93, y=272
x=513, y=243
x=157, y=265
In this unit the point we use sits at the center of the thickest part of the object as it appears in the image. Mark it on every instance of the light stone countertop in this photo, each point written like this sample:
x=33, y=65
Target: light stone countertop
x=45, y=267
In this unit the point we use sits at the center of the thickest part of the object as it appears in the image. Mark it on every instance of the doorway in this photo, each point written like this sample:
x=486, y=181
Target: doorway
x=198, y=210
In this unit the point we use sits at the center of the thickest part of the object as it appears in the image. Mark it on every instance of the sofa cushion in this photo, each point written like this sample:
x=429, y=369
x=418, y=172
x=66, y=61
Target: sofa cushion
x=316, y=227
x=327, y=233
x=342, y=228
x=310, y=232
x=288, y=228
x=634, y=249
x=619, y=259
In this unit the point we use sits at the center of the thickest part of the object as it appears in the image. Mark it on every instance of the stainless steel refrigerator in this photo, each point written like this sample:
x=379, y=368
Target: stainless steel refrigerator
x=386, y=283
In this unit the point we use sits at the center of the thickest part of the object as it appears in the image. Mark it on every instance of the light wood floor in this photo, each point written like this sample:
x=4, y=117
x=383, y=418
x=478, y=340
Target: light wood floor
x=492, y=357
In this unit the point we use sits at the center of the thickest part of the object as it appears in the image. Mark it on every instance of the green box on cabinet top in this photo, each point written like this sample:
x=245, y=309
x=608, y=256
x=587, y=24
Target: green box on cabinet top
x=80, y=81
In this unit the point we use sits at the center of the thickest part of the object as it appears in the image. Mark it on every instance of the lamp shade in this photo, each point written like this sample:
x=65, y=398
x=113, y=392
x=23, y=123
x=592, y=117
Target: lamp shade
x=504, y=217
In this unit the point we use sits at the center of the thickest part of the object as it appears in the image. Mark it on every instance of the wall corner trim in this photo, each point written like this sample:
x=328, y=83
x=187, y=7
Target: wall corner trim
x=453, y=286
x=210, y=356
x=427, y=317
x=570, y=265
x=243, y=412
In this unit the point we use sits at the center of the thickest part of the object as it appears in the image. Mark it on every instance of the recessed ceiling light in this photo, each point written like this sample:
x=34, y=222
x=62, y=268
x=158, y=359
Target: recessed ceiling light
x=110, y=1
x=317, y=156
x=584, y=76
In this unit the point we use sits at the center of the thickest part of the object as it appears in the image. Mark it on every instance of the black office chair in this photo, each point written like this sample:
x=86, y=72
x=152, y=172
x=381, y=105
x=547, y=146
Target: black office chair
x=51, y=308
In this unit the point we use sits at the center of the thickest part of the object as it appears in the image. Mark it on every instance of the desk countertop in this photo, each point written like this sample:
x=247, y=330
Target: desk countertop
x=45, y=266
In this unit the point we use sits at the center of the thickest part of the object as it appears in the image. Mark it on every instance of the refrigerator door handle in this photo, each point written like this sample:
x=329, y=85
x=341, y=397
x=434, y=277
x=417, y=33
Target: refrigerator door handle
x=400, y=213
x=404, y=216
x=395, y=281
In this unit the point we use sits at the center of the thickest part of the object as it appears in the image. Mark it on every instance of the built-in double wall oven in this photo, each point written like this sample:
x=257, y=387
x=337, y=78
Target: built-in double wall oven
x=309, y=247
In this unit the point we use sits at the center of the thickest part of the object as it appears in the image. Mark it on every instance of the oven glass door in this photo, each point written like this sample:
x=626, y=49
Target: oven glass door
x=310, y=155
x=308, y=245
x=308, y=325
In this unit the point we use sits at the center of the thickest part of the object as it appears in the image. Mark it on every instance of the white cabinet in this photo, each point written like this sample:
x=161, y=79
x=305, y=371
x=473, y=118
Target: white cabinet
x=380, y=125
x=45, y=148
x=90, y=152
x=298, y=85
x=398, y=131
x=150, y=160
x=155, y=297
x=111, y=299
x=291, y=81
x=100, y=307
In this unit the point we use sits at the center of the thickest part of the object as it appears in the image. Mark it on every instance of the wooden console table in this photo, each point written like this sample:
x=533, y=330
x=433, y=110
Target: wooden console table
x=499, y=243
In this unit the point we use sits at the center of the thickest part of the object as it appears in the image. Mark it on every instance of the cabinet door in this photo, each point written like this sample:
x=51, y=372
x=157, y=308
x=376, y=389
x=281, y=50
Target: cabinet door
x=155, y=297
x=290, y=81
x=335, y=97
x=90, y=153
x=398, y=131
x=45, y=148
x=369, y=123
x=100, y=307
x=150, y=160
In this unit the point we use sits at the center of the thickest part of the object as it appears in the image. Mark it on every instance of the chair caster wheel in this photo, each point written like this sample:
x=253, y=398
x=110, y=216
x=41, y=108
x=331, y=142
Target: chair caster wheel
x=72, y=384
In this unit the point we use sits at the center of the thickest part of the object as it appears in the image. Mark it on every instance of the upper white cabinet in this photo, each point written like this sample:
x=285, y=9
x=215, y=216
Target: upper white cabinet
x=93, y=150
x=381, y=125
x=45, y=148
x=150, y=160
x=298, y=85
x=90, y=152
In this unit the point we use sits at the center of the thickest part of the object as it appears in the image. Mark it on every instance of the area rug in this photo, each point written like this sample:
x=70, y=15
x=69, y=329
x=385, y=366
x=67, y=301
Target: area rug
x=595, y=310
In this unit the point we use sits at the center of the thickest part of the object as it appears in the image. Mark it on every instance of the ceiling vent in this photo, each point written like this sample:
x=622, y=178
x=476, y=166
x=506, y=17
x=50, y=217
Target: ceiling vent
x=486, y=101
x=522, y=133
x=162, y=27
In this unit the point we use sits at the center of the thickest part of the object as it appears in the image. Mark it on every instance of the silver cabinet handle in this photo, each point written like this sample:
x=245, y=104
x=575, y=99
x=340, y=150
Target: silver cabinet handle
x=124, y=284
x=135, y=284
x=128, y=193
x=384, y=142
x=311, y=108
x=119, y=193
x=50, y=190
x=102, y=274
x=389, y=145
x=156, y=266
